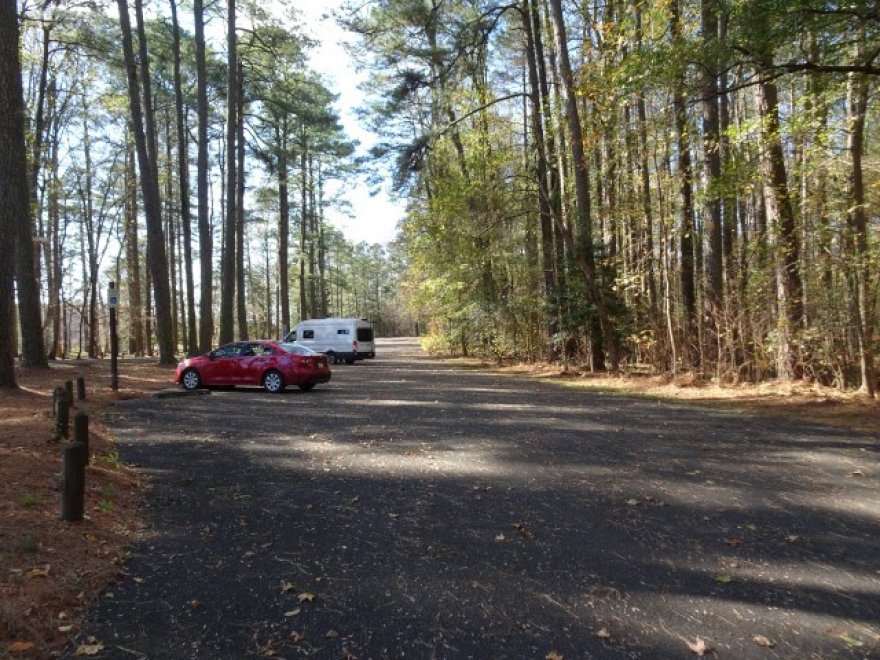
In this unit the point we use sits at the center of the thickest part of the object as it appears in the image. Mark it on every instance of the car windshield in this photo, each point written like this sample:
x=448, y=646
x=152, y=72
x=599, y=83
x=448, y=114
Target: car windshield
x=298, y=349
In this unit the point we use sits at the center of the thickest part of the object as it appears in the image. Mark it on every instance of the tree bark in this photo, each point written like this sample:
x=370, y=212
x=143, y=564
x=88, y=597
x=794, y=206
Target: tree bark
x=281, y=136
x=227, y=269
x=857, y=105
x=14, y=199
x=145, y=144
x=712, y=155
x=240, y=289
x=206, y=239
x=585, y=254
x=781, y=215
x=192, y=345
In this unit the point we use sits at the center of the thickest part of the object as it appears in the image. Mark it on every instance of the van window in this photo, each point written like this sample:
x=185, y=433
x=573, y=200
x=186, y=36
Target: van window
x=308, y=334
x=342, y=331
x=365, y=334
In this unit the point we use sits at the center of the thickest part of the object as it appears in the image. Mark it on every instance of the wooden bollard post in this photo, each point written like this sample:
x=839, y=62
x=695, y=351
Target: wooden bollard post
x=73, y=482
x=68, y=387
x=61, y=408
x=80, y=388
x=81, y=431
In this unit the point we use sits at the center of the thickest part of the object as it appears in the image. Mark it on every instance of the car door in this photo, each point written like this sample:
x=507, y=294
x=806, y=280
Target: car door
x=254, y=360
x=222, y=368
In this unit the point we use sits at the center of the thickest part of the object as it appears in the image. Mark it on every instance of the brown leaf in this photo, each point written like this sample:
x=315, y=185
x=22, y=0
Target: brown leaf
x=286, y=586
x=296, y=637
x=760, y=640
x=603, y=634
x=734, y=543
x=20, y=647
x=307, y=597
x=555, y=655
x=90, y=649
x=699, y=646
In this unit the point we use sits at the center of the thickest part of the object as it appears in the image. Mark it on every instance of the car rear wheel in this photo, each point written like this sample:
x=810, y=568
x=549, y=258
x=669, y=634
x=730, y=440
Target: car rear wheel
x=191, y=380
x=273, y=382
x=305, y=387
x=331, y=357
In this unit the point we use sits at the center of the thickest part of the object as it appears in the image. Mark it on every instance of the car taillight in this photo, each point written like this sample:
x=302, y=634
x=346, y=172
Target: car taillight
x=307, y=362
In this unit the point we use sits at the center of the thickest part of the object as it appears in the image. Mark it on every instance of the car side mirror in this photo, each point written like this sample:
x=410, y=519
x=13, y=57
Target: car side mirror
x=211, y=355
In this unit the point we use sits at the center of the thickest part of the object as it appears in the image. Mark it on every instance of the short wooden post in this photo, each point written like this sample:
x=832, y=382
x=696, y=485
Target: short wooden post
x=68, y=387
x=61, y=408
x=73, y=482
x=81, y=388
x=81, y=431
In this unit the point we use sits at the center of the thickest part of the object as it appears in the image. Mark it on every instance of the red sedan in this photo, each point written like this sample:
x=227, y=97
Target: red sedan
x=271, y=364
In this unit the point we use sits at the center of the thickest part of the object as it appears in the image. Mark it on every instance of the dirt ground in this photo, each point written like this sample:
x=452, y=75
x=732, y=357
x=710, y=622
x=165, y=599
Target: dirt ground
x=52, y=570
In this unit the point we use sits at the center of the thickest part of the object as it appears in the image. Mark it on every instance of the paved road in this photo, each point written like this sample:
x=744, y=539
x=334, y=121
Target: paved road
x=411, y=509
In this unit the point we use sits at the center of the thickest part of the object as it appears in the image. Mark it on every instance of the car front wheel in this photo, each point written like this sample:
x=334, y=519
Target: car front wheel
x=191, y=380
x=273, y=382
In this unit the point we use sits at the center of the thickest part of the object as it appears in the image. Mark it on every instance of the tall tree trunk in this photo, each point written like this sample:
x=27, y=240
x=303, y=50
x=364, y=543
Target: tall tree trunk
x=585, y=254
x=781, y=215
x=304, y=310
x=227, y=269
x=91, y=239
x=857, y=105
x=240, y=289
x=132, y=257
x=281, y=136
x=14, y=199
x=145, y=143
x=551, y=325
x=192, y=344
x=686, y=178
x=206, y=239
x=712, y=154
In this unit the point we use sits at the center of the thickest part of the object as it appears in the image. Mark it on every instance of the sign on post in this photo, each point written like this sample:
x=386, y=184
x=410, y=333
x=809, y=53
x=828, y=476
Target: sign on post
x=112, y=296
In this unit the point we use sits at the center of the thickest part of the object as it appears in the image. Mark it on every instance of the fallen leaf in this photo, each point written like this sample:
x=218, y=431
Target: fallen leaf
x=89, y=649
x=293, y=612
x=394, y=515
x=286, y=586
x=194, y=604
x=791, y=538
x=722, y=578
x=296, y=637
x=65, y=629
x=760, y=640
x=39, y=571
x=734, y=543
x=331, y=634
x=633, y=501
x=858, y=473
x=348, y=655
x=603, y=634
x=851, y=641
x=554, y=655
x=699, y=646
x=20, y=647
x=307, y=597
x=355, y=499
x=500, y=538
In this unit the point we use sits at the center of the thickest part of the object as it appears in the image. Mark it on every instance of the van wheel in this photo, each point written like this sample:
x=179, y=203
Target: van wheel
x=331, y=357
x=349, y=361
x=273, y=382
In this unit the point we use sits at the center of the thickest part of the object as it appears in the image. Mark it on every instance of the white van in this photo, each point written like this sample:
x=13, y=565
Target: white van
x=341, y=339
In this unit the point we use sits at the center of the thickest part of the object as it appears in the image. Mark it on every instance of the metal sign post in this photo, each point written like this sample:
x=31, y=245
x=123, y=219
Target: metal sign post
x=113, y=303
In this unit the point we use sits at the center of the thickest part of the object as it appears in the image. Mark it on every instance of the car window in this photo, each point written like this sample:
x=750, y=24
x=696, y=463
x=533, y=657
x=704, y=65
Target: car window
x=343, y=331
x=365, y=334
x=298, y=349
x=229, y=350
x=308, y=334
